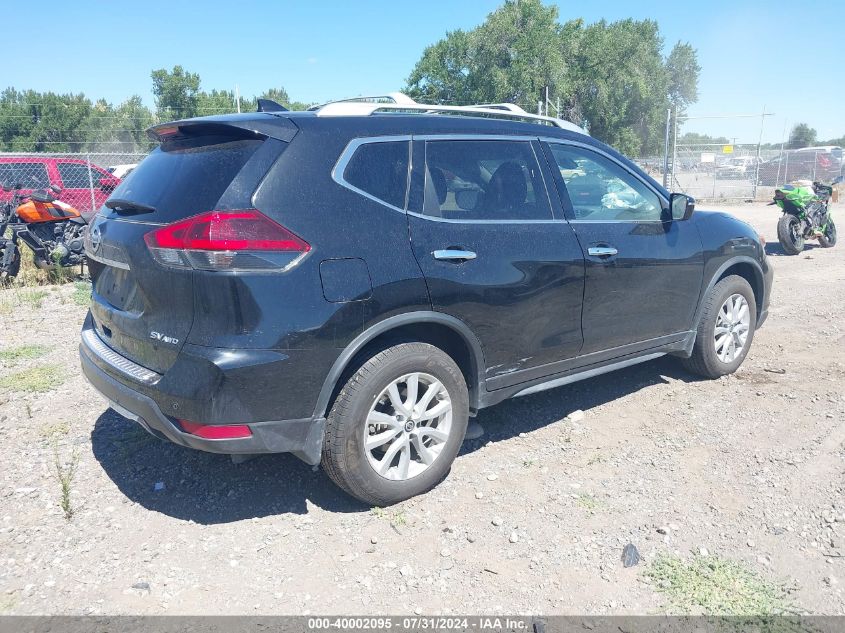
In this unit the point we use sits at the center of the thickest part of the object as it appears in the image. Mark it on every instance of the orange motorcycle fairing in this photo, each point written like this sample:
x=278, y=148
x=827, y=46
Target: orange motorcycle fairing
x=32, y=211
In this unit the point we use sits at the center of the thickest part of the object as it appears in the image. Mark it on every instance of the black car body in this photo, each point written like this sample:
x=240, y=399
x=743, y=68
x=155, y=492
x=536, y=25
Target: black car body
x=458, y=232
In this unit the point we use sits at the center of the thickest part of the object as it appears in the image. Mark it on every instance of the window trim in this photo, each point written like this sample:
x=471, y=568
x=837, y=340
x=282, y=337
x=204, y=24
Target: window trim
x=424, y=138
x=565, y=202
x=568, y=208
x=346, y=157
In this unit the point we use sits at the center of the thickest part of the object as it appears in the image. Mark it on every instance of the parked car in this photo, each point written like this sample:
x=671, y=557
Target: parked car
x=804, y=164
x=122, y=171
x=737, y=167
x=351, y=284
x=71, y=175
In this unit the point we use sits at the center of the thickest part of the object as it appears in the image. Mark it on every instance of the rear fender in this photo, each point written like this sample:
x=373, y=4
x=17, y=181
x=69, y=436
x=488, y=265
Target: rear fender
x=393, y=323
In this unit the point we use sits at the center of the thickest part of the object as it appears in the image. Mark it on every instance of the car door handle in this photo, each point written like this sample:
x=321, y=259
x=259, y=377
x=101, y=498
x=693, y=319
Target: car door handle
x=602, y=251
x=453, y=255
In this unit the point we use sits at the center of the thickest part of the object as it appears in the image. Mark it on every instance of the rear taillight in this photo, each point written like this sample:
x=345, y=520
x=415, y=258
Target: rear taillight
x=227, y=240
x=216, y=431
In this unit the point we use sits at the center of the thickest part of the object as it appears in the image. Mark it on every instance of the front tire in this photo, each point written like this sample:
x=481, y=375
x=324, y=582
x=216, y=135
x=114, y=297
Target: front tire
x=829, y=238
x=789, y=234
x=397, y=424
x=726, y=329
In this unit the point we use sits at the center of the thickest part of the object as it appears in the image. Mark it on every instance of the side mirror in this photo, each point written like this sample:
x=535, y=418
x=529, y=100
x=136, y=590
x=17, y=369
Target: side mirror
x=108, y=183
x=681, y=206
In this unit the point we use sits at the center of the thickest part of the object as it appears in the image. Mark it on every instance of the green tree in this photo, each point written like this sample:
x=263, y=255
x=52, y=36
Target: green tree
x=176, y=93
x=610, y=77
x=621, y=84
x=694, y=138
x=802, y=135
x=683, y=68
x=511, y=57
x=118, y=129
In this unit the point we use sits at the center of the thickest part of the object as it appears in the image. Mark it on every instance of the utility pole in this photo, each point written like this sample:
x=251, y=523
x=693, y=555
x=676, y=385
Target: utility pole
x=674, y=151
x=666, y=150
x=547, y=101
x=238, y=98
x=757, y=160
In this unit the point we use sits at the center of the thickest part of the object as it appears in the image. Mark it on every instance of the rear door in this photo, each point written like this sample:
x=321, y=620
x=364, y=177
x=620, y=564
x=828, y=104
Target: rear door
x=140, y=308
x=80, y=188
x=643, y=271
x=494, y=256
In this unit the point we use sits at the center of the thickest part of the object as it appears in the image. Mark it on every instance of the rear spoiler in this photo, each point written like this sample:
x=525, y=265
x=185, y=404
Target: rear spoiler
x=250, y=125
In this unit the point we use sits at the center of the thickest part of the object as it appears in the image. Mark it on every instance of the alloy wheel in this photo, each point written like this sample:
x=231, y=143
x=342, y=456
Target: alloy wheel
x=408, y=426
x=732, y=325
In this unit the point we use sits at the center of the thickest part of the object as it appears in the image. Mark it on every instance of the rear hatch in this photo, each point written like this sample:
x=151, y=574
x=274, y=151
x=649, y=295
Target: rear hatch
x=143, y=309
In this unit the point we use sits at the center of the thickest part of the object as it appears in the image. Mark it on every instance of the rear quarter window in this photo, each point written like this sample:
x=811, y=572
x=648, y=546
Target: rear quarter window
x=380, y=170
x=184, y=178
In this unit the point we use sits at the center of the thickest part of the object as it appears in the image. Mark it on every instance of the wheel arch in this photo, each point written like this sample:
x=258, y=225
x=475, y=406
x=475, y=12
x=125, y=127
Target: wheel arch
x=448, y=333
x=742, y=266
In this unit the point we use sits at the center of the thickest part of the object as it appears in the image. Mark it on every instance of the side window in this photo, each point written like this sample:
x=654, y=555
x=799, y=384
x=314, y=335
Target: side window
x=28, y=175
x=483, y=180
x=75, y=175
x=602, y=191
x=380, y=169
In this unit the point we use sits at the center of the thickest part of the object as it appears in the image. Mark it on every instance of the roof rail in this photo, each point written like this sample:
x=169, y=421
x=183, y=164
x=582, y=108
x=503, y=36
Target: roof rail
x=399, y=103
x=390, y=97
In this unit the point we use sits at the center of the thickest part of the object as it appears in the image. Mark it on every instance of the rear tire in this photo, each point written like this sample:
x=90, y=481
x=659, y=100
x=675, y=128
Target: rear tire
x=789, y=234
x=726, y=329
x=379, y=446
x=12, y=269
x=829, y=238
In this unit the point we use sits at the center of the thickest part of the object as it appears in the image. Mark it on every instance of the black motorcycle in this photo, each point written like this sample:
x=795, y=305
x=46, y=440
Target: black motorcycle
x=52, y=229
x=805, y=216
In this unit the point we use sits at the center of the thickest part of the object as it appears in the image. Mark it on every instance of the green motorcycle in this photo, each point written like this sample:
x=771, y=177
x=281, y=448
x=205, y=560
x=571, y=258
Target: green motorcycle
x=805, y=216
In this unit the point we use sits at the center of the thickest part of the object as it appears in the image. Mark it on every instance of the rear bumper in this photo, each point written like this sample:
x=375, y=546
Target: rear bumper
x=302, y=437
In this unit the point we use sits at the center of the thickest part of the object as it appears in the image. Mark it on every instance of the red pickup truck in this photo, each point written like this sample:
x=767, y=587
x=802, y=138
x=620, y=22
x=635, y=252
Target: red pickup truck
x=70, y=174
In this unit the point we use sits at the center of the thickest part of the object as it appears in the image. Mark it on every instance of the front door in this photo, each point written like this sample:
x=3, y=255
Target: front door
x=492, y=254
x=643, y=270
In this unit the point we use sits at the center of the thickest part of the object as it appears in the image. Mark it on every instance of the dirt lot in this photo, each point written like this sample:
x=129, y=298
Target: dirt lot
x=731, y=490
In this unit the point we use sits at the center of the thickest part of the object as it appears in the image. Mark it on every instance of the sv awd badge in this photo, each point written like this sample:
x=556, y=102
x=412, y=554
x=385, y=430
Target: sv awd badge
x=158, y=336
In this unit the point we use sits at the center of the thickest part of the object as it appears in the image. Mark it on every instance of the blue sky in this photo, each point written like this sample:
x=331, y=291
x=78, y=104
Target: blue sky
x=783, y=55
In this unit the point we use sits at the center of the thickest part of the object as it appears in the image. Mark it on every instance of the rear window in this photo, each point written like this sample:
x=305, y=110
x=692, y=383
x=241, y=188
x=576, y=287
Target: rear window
x=380, y=170
x=27, y=175
x=184, y=178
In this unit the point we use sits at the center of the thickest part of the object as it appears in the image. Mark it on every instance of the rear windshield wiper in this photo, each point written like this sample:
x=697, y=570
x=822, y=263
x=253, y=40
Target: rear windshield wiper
x=121, y=205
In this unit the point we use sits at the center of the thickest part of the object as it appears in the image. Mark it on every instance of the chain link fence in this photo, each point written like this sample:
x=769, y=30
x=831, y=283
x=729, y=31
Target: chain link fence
x=82, y=180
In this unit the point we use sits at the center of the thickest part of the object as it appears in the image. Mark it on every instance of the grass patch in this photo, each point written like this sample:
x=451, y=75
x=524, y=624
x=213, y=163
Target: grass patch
x=588, y=502
x=33, y=298
x=55, y=430
x=82, y=293
x=30, y=275
x=34, y=380
x=22, y=352
x=7, y=603
x=65, y=472
x=716, y=586
x=397, y=518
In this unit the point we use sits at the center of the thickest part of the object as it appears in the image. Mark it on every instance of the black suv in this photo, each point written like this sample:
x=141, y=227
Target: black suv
x=350, y=285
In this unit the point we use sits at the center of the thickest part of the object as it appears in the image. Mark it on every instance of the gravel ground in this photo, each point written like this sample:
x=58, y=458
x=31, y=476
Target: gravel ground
x=532, y=519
